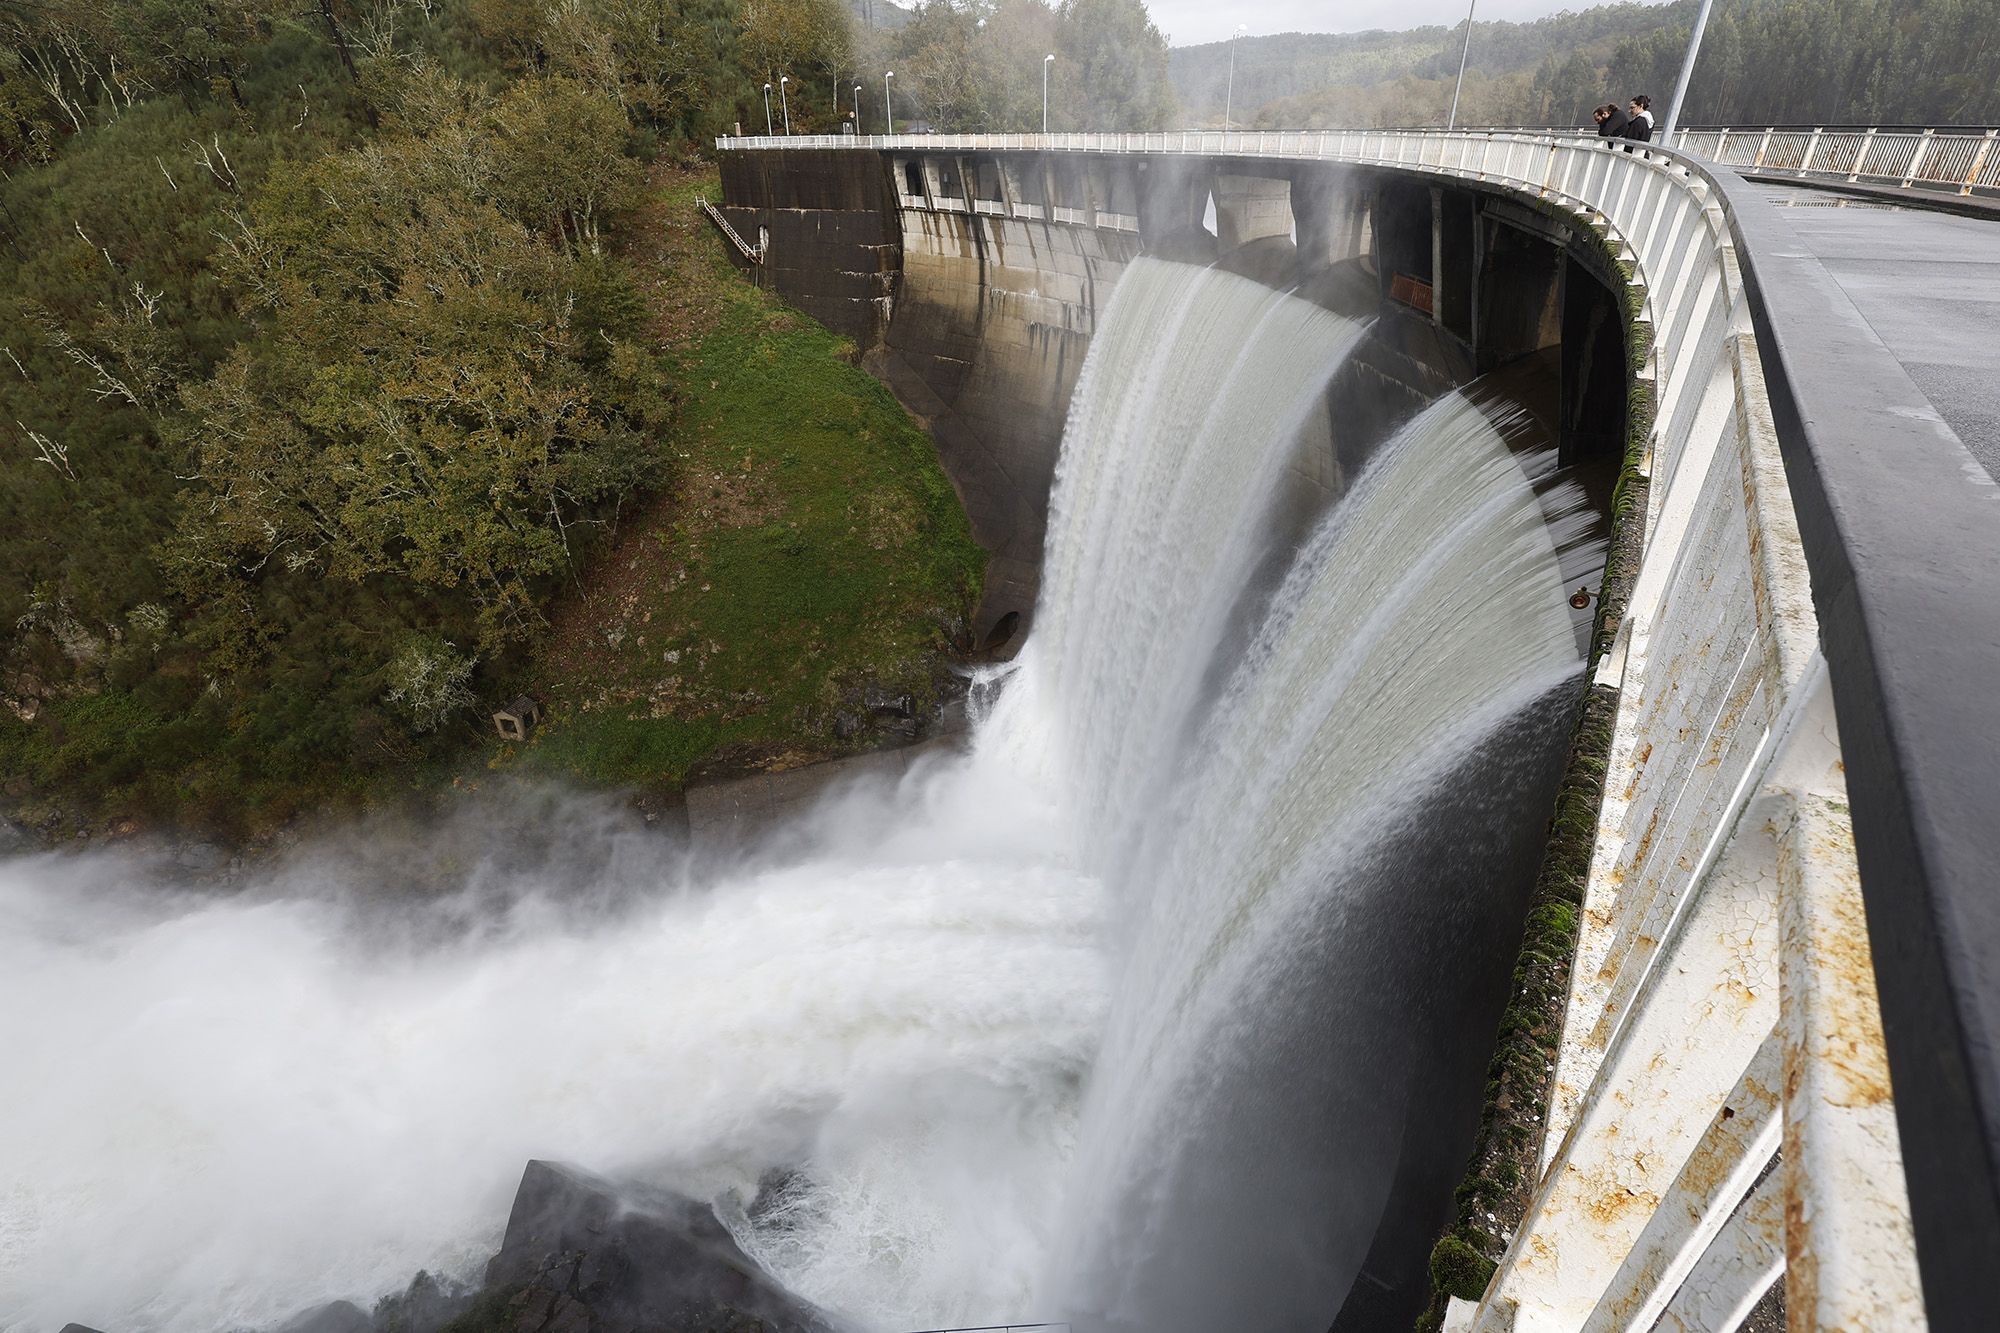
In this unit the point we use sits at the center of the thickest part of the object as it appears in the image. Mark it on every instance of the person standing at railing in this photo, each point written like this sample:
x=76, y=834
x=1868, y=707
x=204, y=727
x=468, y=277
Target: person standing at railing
x=1610, y=121
x=1639, y=120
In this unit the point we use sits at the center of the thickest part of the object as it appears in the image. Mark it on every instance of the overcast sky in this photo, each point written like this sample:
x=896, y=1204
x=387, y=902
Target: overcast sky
x=1191, y=22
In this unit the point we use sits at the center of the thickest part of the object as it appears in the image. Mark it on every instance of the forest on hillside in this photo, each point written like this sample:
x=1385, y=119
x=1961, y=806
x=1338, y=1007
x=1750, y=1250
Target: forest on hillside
x=1929, y=62
x=326, y=365
x=976, y=66
x=319, y=377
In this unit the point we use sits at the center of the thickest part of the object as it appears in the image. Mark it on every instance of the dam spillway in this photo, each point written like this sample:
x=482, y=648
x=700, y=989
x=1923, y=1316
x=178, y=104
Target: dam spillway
x=1023, y=1034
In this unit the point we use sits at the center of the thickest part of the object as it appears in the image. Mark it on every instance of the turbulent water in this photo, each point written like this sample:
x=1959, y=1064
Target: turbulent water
x=1063, y=1024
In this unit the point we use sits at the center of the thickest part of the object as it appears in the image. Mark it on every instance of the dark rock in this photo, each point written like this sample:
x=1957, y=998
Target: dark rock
x=583, y=1254
x=846, y=726
x=79, y=1328
x=426, y=1306
x=333, y=1317
x=953, y=718
x=887, y=703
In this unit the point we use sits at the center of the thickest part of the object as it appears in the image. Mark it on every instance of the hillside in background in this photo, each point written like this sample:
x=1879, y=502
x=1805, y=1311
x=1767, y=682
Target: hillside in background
x=1764, y=61
x=364, y=370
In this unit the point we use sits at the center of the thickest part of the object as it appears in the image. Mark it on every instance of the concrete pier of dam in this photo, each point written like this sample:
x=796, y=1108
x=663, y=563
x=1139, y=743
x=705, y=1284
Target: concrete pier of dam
x=1762, y=1070
x=971, y=285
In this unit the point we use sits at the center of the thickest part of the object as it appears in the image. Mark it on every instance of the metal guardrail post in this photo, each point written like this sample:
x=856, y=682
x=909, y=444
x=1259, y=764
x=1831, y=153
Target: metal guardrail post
x=1979, y=162
x=1916, y=168
x=1812, y=147
x=1861, y=158
x=1764, y=147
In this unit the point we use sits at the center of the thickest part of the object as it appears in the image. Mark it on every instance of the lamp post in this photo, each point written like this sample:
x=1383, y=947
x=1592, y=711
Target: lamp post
x=1687, y=72
x=1451, y=121
x=785, y=102
x=1229, y=98
x=768, y=131
x=888, y=109
x=857, y=108
x=1047, y=61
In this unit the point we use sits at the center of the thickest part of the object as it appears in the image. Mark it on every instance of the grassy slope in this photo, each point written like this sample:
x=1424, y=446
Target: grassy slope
x=809, y=546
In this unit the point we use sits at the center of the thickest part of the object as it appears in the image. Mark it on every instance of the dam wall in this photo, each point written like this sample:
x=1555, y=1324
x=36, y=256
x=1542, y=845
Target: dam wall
x=971, y=283
x=1695, y=1113
x=975, y=311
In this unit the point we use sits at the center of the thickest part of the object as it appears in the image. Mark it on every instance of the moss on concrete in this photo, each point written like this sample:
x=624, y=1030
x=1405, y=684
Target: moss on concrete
x=1459, y=1270
x=1492, y=1199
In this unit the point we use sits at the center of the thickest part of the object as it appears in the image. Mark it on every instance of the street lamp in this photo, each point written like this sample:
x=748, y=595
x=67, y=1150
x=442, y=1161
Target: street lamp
x=1047, y=60
x=857, y=108
x=888, y=110
x=784, y=102
x=768, y=131
x=1229, y=98
x=1451, y=121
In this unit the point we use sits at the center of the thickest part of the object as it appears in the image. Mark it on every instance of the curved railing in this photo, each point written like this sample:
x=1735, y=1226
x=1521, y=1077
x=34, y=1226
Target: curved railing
x=1961, y=161
x=1809, y=678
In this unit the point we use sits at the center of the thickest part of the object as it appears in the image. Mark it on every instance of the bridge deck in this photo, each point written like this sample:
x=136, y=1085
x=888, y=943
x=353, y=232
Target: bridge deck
x=1928, y=283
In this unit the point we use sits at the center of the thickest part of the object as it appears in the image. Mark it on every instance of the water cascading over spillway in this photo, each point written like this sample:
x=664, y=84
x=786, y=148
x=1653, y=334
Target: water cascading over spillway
x=1120, y=1015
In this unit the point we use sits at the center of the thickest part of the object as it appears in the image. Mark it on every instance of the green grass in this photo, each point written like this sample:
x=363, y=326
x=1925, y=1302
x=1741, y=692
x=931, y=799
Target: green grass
x=810, y=546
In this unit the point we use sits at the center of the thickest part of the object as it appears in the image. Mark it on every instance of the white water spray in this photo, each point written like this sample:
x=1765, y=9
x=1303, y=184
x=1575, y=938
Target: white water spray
x=223, y=1109
x=1425, y=613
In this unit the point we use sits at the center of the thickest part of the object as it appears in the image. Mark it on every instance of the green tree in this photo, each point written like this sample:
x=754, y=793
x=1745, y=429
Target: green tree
x=424, y=402
x=1116, y=62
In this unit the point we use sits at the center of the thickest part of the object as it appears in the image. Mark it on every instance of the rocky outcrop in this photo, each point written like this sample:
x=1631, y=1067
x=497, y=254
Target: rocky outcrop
x=582, y=1255
x=334, y=1317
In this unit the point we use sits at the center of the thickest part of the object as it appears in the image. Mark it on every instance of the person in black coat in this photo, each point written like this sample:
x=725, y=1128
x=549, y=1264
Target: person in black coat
x=1639, y=119
x=1610, y=122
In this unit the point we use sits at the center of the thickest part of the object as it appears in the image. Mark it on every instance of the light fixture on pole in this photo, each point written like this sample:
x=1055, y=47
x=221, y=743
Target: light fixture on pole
x=857, y=108
x=768, y=131
x=1229, y=98
x=888, y=109
x=1047, y=60
x=1451, y=121
x=1687, y=73
x=783, y=102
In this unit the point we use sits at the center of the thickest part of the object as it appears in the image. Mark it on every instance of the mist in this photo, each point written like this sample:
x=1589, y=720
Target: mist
x=228, y=1103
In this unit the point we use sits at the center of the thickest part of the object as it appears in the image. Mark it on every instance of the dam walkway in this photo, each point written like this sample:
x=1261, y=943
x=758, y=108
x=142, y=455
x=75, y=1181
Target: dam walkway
x=1780, y=1056
x=1928, y=283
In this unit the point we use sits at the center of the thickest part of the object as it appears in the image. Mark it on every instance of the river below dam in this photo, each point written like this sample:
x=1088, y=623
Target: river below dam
x=1152, y=1010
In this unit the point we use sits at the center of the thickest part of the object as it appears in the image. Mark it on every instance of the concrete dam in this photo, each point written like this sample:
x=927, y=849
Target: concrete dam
x=1475, y=812
x=1689, y=1120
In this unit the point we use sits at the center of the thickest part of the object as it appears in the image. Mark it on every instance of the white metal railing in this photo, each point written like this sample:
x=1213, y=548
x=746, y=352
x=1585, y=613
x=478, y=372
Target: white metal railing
x=755, y=254
x=1718, y=1019
x=1965, y=161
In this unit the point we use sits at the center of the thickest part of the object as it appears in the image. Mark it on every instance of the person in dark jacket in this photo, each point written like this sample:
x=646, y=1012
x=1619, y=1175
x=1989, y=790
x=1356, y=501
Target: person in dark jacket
x=1639, y=119
x=1610, y=122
